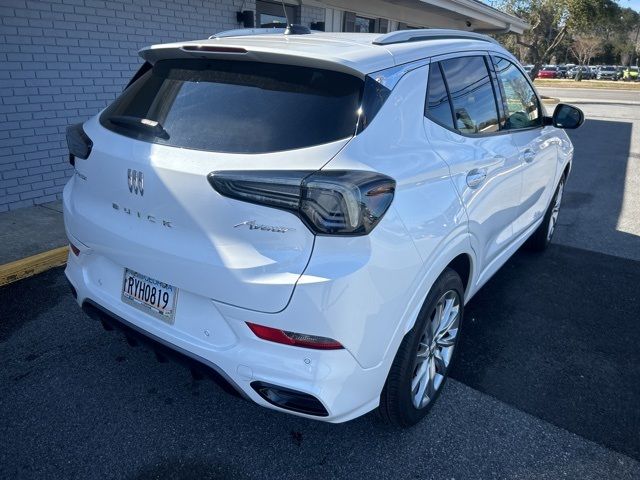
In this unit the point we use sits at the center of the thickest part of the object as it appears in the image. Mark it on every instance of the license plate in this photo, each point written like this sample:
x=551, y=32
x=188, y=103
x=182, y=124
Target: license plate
x=149, y=295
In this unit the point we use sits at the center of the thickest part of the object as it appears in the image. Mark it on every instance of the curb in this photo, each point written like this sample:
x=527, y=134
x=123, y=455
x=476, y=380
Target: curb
x=29, y=266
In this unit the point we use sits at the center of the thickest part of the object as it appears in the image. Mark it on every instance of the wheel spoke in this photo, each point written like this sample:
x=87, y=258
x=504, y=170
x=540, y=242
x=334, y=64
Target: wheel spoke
x=449, y=339
x=430, y=386
x=437, y=319
x=440, y=362
x=423, y=351
x=423, y=384
x=448, y=322
x=448, y=306
x=422, y=370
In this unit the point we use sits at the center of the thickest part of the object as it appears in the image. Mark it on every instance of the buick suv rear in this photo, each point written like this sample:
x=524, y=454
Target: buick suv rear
x=307, y=214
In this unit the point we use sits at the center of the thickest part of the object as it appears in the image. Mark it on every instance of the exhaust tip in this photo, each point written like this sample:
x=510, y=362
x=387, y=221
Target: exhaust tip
x=290, y=399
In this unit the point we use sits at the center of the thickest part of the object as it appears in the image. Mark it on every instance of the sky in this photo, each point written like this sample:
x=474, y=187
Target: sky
x=635, y=4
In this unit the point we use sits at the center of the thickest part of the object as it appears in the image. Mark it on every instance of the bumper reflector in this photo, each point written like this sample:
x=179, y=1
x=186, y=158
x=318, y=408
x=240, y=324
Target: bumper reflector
x=294, y=339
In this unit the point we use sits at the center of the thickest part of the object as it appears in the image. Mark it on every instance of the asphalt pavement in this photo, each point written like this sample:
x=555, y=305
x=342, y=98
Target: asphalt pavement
x=546, y=385
x=601, y=203
x=32, y=230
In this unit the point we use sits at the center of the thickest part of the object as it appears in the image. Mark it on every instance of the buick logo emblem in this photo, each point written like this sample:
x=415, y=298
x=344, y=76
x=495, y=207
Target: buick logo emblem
x=135, y=180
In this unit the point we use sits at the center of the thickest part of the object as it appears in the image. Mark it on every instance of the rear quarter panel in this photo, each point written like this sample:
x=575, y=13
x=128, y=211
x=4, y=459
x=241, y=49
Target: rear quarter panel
x=426, y=206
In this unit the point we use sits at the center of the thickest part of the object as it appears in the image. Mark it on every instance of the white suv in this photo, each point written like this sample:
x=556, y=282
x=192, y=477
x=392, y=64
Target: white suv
x=306, y=214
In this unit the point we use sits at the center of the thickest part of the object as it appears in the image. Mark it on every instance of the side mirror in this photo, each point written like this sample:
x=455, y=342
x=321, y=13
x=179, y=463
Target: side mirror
x=566, y=116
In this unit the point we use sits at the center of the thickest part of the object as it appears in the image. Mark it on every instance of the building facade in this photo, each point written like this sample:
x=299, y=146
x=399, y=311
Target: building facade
x=62, y=61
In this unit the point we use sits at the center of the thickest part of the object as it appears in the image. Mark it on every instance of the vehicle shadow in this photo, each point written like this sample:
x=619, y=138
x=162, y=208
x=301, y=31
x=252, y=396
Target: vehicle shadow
x=592, y=211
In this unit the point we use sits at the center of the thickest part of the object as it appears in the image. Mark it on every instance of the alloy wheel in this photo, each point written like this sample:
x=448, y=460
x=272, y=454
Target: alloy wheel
x=555, y=211
x=435, y=349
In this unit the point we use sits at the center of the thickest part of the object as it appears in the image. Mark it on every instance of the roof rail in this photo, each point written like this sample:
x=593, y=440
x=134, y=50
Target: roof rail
x=292, y=29
x=425, y=34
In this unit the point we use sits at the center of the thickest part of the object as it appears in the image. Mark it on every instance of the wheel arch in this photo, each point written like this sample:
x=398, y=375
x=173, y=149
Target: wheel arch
x=460, y=257
x=462, y=265
x=567, y=170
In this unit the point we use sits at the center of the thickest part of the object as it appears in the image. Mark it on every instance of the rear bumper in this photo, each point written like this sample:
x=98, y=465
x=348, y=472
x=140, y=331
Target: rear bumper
x=345, y=294
x=237, y=359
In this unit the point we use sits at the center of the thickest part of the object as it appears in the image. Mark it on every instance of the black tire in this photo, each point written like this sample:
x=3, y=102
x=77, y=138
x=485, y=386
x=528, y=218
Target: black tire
x=396, y=405
x=540, y=239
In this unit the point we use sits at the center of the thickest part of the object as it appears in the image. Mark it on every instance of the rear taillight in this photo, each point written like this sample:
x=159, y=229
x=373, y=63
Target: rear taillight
x=294, y=339
x=79, y=143
x=330, y=202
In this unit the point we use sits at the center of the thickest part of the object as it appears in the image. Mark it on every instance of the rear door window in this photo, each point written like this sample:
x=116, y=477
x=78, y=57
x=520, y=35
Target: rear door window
x=474, y=102
x=237, y=106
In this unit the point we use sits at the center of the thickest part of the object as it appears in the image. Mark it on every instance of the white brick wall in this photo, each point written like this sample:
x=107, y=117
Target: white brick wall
x=62, y=61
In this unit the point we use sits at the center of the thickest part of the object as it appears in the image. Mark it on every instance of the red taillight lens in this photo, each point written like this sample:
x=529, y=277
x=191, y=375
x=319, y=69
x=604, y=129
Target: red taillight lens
x=213, y=49
x=74, y=249
x=295, y=339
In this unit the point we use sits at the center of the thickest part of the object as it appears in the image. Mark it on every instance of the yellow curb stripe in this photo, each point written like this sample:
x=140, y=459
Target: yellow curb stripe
x=26, y=267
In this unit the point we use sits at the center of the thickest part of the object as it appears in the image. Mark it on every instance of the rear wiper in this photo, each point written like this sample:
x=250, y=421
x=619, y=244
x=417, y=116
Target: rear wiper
x=142, y=124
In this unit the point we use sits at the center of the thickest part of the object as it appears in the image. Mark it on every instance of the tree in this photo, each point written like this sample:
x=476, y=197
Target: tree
x=548, y=27
x=585, y=47
x=553, y=21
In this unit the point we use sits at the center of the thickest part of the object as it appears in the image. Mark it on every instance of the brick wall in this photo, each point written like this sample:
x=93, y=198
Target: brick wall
x=61, y=61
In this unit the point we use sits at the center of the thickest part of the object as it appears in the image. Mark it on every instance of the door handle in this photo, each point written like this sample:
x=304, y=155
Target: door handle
x=529, y=155
x=476, y=176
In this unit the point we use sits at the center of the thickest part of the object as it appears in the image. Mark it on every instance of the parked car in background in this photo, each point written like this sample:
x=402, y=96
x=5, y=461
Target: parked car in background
x=562, y=71
x=528, y=69
x=630, y=74
x=607, y=72
x=549, y=71
x=308, y=218
x=586, y=73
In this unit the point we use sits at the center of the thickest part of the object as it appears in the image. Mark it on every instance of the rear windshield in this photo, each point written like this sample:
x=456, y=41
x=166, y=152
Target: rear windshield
x=237, y=106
